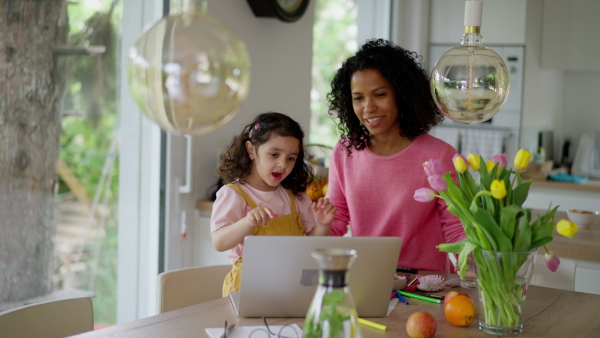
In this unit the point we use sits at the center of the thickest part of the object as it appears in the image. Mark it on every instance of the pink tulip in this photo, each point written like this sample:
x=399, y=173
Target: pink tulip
x=552, y=260
x=437, y=183
x=424, y=195
x=433, y=168
x=501, y=159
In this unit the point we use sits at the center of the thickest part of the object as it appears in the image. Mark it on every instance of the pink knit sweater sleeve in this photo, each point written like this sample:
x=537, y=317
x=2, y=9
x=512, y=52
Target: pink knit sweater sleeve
x=335, y=192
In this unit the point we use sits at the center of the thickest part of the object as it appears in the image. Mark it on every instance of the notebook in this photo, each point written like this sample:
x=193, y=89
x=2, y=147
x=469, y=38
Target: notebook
x=280, y=277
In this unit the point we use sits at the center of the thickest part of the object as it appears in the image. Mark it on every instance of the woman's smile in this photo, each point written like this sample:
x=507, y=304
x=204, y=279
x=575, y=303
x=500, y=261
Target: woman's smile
x=374, y=102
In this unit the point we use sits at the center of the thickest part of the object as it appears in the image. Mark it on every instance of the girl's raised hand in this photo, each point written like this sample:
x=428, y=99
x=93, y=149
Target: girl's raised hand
x=323, y=210
x=260, y=215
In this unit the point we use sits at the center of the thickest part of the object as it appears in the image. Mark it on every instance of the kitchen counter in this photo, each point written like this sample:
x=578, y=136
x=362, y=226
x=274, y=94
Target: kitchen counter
x=589, y=186
x=585, y=244
x=582, y=196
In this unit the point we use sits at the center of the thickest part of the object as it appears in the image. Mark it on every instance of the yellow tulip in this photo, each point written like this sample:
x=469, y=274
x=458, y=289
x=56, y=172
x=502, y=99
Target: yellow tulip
x=522, y=159
x=498, y=189
x=566, y=228
x=460, y=165
x=473, y=161
x=489, y=165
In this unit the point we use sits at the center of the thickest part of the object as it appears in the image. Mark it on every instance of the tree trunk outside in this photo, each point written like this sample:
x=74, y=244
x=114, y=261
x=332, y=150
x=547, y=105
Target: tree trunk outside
x=31, y=87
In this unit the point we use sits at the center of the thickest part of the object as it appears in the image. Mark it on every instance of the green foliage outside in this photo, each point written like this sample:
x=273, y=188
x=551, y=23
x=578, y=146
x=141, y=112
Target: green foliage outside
x=87, y=136
x=334, y=40
x=92, y=89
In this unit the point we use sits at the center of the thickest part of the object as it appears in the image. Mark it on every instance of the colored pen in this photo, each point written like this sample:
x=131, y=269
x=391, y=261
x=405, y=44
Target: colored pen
x=372, y=324
x=402, y=299
x=421, y=297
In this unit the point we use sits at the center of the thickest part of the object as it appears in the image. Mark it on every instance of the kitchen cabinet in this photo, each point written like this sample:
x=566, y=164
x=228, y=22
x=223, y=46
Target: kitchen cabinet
x=570, y=33
x=447, y=22
x=572, y=274
x=579, y=268
x=587, y=275
x=543, y=194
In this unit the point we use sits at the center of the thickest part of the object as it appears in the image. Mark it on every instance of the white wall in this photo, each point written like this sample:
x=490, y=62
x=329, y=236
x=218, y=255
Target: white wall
x=281, y=59
x=581, y=111
x=558, y=100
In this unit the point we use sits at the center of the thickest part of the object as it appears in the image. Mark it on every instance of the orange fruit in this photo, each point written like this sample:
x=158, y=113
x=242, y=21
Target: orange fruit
x=314, y=191
x=460, y=310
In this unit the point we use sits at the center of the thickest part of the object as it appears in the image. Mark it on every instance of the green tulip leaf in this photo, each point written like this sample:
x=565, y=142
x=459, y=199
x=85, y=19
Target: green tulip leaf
x=456, y=247
x=464, y=256
x=509, y=217
x=523, y=239
x=499, y=240
x=520, y=193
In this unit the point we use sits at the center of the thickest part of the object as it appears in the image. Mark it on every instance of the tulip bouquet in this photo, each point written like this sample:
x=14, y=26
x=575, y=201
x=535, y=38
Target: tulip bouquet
x=491, y=211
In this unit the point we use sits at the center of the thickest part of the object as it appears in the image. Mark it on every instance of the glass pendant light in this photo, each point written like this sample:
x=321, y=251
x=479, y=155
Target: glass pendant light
x=470, y=82
x=188, y=72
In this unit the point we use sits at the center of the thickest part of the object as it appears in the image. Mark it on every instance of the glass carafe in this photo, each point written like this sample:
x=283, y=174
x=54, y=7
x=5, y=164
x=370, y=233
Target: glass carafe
x=332, y=313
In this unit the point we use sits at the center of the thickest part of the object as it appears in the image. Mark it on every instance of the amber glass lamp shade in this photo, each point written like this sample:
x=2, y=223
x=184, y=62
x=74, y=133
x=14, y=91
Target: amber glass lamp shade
x=189, y=73
x=470, y=82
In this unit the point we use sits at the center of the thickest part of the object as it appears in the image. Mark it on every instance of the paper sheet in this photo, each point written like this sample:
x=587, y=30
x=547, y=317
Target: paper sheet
x=391, y=305
x=244, y=331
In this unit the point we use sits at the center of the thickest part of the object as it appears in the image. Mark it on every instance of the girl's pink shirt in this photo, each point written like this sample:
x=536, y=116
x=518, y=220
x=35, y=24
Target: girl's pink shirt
x=375, y=194
x=230, y=207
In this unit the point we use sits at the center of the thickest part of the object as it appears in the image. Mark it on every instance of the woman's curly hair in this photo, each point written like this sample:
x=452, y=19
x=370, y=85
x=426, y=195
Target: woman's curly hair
x=236, y=163
x=417, y=111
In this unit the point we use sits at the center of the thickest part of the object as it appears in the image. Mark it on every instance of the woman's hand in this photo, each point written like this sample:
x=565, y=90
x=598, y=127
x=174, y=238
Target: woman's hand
x=260, y=215
x=324, y=211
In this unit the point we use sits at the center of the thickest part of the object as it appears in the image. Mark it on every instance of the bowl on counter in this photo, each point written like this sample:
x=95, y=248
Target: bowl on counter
x=583, y=218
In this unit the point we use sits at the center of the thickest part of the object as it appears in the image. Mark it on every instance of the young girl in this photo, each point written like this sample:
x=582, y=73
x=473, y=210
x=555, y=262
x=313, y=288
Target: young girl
x=266, y=180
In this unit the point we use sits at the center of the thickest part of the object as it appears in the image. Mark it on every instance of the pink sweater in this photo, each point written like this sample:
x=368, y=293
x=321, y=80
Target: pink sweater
x=375, y=195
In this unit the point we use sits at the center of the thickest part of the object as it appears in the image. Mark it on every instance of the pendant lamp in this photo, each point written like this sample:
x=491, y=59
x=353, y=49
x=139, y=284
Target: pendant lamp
x=470, y=82
x=188, y=72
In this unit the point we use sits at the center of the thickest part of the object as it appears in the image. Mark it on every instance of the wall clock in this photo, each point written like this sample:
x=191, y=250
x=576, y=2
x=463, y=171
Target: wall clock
x=284, y=10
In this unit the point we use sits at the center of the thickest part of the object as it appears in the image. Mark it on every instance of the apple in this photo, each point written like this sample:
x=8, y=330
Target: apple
x=421, y=324
x=451, y=294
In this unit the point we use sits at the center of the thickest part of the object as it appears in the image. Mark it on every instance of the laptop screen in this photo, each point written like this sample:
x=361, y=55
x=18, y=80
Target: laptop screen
x=280, y=277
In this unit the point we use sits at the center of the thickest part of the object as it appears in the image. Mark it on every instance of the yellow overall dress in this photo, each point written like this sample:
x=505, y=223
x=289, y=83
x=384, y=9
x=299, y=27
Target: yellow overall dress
x=287, y=225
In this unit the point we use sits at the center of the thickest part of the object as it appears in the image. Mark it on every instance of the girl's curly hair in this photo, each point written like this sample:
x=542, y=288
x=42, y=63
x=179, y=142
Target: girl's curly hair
x=417, y=111
x=236, y=163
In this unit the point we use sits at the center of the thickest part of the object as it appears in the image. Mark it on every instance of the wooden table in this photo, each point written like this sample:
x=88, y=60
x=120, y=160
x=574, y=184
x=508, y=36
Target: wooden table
x=548, y=313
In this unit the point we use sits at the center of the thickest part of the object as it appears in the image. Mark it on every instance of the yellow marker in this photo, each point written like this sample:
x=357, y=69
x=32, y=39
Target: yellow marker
x=372, y=324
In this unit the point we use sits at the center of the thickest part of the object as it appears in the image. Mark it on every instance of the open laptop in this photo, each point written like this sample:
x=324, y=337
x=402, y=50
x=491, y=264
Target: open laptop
x=280, y=277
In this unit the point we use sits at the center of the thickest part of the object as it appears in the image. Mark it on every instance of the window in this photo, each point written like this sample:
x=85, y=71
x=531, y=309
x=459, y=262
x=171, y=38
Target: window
x=334, y=40
x=59, y=226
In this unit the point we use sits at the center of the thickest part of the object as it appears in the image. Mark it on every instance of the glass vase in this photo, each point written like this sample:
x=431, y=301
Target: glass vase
x=502, y=279
x=332, y=313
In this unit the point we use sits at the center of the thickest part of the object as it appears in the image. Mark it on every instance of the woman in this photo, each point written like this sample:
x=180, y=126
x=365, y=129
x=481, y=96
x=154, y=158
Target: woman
x=383, y=108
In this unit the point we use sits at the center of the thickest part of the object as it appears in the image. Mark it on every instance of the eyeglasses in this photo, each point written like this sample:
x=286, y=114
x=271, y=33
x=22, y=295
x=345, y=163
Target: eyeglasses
x=286, y=331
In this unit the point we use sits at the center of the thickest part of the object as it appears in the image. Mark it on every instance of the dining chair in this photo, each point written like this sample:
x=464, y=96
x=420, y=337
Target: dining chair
x=184, y=287
x=52, y=319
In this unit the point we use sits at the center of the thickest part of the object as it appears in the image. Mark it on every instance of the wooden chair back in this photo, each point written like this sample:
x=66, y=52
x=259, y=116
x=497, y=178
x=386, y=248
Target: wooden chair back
x=189, y=286
x=52, y=319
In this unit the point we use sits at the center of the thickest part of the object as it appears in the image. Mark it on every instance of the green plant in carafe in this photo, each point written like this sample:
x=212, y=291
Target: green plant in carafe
x=332, y=312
